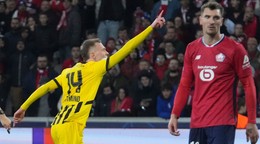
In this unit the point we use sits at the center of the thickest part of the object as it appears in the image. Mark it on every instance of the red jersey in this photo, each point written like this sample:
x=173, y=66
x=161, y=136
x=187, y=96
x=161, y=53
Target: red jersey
x=214, y=71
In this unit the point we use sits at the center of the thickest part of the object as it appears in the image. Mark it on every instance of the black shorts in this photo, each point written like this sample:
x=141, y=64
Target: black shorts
x=213, y=135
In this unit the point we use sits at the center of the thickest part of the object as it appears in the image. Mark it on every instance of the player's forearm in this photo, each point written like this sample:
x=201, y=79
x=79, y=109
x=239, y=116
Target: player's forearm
x=129, y=47
x=250, y=93
x=181, y=97
x=41, y=91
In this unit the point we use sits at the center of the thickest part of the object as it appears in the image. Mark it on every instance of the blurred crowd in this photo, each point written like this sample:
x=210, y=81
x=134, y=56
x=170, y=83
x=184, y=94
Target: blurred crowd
x=40, y=38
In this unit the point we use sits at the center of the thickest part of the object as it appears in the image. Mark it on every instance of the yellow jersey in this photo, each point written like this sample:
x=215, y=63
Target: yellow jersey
x=80, y=84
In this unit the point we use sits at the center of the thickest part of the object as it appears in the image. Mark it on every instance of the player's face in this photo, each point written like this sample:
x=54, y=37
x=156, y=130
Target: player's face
x=211, y=21
x=100, y=52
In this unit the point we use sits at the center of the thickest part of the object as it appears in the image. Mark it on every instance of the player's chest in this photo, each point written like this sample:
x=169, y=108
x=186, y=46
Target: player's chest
x=212, y=61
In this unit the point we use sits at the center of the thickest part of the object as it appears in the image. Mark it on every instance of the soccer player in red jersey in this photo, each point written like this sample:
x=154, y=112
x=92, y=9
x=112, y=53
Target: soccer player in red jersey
x=214, y=64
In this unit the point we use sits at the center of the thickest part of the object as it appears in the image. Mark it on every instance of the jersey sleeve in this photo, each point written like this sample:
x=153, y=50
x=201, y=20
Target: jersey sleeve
x=185, y=84
x=241, y=62
x=128, y=47
x=244, y=72
x=41, y=91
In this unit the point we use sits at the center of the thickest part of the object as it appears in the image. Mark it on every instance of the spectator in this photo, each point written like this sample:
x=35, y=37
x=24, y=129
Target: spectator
x=172, y=75
x=102, y=106
x=165, y=101
x=145, y=95
x=4, y=88
x=111, y=14
x=20, y=63
x=130, y=65
x=69, y=29
x=122, y=105
x=40, y=74
x=160, y=65
x=13, y=36
x=45, y=37
x=251, y=23
x=75, y=58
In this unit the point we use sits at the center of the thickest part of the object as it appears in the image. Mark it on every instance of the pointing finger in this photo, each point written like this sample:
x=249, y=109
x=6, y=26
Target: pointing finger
x=160, y=15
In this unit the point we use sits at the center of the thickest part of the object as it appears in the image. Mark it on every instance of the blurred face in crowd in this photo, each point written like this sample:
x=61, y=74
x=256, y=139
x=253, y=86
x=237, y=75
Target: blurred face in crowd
x=145, y=81
x=249, y=13
x=185, y=3
x=2, y=7
x=45, y=6
x=31, y=21
x=173, y=64
x=107, y=90
x=171, y=34
x=15, y=24
x=235, y=3
x=42, y=62
x=122, y=34
x=67, y=4
x=20, y=46
x=166, y=93
x=199, y=34
x=160, y=59
x=238, y=29
x=169, y=24
x=180, y=57
x=43, y=18
x=251, y=44
x=25, y=33
x=75, y=52
x=169, y=49
x=211, y=21
x=111, y=44
x=144, y=65
x=178, y=22
x=121, y=94
x=133, y=54
x=11, y=4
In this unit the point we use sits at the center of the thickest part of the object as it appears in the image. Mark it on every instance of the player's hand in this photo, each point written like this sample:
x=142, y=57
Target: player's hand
x=172, y=125
x=6, y=122
x=159, y=21
x=18, y=116
x=252, y=133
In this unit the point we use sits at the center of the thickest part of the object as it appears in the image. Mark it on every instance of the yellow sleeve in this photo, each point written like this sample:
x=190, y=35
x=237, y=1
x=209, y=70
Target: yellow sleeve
x=41, y=91
x=129, y=47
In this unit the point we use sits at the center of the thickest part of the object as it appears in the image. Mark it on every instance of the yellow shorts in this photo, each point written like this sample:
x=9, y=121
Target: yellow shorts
x=67, y=133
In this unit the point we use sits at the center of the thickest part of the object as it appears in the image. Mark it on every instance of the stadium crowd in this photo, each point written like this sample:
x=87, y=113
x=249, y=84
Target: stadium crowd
x=40, y=38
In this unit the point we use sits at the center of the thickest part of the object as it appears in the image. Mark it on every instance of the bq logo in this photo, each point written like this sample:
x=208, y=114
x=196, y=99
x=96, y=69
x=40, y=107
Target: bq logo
x=206, y=74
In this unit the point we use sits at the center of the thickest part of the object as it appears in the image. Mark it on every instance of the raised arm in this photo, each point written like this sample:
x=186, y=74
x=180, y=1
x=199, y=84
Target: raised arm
x=134, y=42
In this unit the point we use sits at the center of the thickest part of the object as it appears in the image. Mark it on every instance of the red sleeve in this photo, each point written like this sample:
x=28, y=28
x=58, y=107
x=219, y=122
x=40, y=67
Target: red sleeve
x=250, y=92
x=185, y=84
x=244, y=72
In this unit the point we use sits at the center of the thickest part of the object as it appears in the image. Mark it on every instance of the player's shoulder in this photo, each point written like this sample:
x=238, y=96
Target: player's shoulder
x=192, y=46
x=232, y=44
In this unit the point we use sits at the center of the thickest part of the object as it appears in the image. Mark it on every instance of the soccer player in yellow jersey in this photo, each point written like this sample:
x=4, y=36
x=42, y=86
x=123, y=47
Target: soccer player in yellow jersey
x=80, y=84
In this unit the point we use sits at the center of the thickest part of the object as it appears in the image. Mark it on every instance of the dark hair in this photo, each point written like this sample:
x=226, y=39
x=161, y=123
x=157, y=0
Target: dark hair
x=85, y=47
x=212, y=6
x=167, y=86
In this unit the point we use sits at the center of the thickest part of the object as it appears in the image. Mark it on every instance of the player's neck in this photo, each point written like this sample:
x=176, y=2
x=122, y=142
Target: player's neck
x=209, y=40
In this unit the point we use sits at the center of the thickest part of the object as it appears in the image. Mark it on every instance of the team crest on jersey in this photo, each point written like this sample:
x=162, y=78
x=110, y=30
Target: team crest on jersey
x=220, y=57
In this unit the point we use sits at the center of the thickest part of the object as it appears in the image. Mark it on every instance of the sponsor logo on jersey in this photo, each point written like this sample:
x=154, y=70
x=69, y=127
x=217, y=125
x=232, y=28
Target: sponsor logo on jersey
x=220, y=57
x=197, y=57
x=207, y=72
